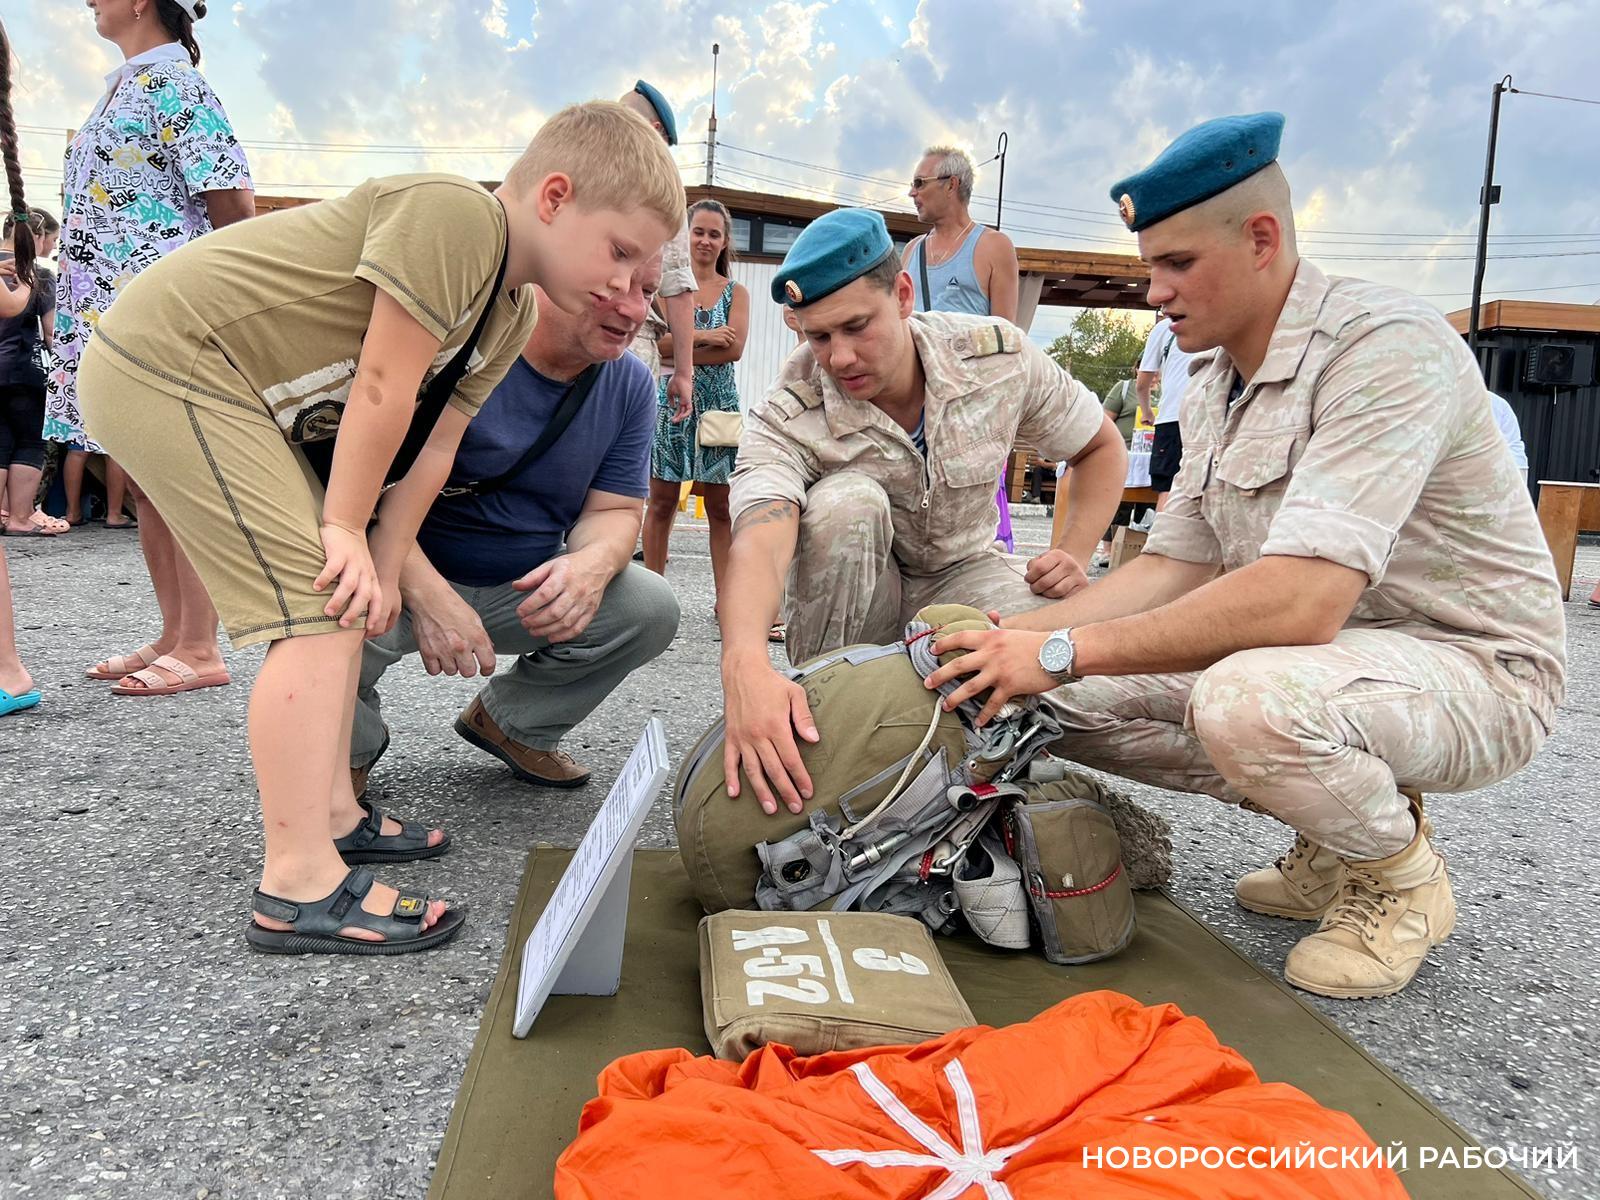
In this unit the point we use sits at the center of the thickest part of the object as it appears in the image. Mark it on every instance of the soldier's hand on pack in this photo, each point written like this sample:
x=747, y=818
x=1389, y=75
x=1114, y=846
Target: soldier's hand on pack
x=566, y=595
x=1056, y=574
x=1002, y=662
x=763, y=711
x=449, y=634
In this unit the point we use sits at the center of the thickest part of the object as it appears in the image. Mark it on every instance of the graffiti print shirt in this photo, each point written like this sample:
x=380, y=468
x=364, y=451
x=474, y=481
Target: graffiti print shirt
x=136, y=175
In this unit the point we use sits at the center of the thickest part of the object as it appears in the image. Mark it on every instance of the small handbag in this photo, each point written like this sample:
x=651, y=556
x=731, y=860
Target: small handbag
x=718, y=428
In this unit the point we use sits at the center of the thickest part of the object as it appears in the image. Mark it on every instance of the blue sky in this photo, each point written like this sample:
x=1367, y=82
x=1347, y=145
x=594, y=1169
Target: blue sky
x=1387, y=105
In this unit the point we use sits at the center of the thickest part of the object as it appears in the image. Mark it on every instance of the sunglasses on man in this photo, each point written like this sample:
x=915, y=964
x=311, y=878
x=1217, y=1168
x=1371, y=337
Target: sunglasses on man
x=918, y=182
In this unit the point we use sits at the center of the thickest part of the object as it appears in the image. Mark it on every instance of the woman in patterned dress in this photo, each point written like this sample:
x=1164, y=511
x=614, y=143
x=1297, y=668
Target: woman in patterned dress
x=721, y=321
x=155, y=166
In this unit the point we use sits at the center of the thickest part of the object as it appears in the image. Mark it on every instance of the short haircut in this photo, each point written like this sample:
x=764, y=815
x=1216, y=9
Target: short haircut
x=613, y=157
x=884, y=275
x=955, y=163
x=1265, y=191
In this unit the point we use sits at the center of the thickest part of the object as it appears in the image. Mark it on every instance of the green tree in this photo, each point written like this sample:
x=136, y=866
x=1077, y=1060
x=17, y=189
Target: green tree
x=1101, y=347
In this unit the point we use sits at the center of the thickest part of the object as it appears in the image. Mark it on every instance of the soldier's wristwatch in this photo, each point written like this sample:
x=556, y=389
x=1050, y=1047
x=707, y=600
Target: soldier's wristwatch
x=1057, y=654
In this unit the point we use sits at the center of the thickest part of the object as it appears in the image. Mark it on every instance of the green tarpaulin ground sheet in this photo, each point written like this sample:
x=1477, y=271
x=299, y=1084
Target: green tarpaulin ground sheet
x=519, y=1100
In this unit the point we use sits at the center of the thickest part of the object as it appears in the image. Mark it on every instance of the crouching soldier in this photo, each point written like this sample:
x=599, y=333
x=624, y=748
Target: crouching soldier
x=867, y=475
x=1386, y=620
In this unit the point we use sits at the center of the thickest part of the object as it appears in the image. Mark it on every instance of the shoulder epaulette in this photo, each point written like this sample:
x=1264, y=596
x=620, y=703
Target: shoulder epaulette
x=792, y=399
x=981, y=341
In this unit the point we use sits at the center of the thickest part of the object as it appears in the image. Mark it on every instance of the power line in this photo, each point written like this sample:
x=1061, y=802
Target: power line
x=1561, y=287
x=1551, y=96
x=1333, y=238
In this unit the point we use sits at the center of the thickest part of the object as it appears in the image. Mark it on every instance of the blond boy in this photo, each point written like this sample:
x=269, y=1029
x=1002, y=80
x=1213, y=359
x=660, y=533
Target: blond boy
x=322, y=323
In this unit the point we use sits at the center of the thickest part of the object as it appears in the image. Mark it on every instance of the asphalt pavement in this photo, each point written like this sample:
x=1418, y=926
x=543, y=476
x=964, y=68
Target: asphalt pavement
x=145, y=1052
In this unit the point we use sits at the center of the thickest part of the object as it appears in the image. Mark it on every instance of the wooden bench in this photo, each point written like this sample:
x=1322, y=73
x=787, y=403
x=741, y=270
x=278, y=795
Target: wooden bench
x=1567, y=509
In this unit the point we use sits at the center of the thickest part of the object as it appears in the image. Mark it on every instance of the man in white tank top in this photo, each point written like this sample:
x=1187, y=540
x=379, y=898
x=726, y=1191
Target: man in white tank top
x=960, y=265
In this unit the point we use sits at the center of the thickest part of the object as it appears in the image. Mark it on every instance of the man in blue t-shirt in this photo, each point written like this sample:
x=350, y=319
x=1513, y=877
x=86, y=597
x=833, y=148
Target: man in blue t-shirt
x=539, y=567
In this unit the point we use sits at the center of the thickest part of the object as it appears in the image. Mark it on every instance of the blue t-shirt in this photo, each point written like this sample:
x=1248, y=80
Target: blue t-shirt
x=481, y=541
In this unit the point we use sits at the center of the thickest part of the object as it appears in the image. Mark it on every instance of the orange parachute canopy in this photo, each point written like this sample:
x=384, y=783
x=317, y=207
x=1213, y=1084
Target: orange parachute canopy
x=1098, y=1097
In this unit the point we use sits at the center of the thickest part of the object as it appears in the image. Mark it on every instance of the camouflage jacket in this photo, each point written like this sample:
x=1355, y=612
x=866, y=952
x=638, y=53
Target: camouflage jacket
x=987, y=387
x=1366, y=438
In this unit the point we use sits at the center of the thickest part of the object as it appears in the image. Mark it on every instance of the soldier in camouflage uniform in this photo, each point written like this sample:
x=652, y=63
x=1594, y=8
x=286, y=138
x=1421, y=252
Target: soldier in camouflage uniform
x=869, y=470
x=1386, y=620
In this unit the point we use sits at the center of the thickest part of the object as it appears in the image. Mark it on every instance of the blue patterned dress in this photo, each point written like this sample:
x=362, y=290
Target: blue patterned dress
x=135, y=174
x=676, y=456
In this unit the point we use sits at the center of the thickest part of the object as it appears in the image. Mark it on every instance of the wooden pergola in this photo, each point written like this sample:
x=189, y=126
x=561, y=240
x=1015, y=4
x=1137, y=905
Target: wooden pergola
x=1073, y=278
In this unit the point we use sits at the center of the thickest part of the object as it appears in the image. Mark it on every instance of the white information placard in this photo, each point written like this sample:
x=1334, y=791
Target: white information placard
x=576, y=947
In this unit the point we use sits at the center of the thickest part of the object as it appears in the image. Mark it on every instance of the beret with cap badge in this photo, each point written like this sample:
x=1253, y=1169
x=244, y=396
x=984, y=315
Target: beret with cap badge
x=1202, y=163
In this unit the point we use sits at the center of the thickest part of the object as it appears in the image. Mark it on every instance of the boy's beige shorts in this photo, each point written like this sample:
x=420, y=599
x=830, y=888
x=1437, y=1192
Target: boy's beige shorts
x=241, y=501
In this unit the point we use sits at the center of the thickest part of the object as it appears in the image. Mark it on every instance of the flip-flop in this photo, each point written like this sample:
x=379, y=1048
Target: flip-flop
x=153, y=684
x=27, y=533
x=14, y=704
x=122, y=524
x=116, y=667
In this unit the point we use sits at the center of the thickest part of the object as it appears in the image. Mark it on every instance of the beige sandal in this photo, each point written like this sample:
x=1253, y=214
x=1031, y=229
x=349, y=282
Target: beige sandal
x=119, y=666
x=150, y=681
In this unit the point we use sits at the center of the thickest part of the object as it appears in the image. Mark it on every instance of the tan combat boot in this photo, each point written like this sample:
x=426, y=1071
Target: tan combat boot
x=1386, y=917
x=1302, y=883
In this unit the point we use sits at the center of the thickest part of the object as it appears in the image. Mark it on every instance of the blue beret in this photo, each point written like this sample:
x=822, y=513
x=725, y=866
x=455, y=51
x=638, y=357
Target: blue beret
x=833, y=250
x=663, y=110
x=1200, y=164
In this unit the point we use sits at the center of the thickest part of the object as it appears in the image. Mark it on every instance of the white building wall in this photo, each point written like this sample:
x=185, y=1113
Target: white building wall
x=769, y=343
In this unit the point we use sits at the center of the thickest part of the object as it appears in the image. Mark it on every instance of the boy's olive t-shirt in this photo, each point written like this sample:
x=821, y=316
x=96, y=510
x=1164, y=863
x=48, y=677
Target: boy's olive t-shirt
x=272, y=311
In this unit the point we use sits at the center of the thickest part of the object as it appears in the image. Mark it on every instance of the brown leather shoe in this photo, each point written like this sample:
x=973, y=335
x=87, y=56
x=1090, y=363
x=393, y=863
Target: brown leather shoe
x=548, y=768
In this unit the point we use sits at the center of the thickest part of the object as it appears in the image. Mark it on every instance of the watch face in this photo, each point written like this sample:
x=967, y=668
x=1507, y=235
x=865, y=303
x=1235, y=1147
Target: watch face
x=1056, y=654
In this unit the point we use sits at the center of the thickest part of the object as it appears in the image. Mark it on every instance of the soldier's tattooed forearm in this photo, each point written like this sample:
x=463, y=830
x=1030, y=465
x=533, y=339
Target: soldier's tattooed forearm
x=766, y=514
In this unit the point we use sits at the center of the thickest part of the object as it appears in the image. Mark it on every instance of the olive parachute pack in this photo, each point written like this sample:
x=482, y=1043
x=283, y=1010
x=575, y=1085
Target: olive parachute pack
x=917, y=811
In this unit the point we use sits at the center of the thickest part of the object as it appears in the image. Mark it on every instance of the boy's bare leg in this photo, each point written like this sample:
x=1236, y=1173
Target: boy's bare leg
x=298, y=711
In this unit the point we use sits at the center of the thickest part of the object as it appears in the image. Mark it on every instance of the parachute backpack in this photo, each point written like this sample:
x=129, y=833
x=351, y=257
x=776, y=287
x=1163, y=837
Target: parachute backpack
x=914, y=811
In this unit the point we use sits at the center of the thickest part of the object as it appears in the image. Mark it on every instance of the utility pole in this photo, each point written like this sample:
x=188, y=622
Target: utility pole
x=711, y=129
x=1489, y=195
x=1000, y=195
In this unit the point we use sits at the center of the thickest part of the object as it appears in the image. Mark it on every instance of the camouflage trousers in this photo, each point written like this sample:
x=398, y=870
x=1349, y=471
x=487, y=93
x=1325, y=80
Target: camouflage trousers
x=846, y=586
x=1318, y=736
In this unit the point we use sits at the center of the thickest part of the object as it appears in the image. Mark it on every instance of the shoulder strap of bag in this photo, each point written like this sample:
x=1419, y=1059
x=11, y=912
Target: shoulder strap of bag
x=439, y=390
x=922, y=270
x=571, y=402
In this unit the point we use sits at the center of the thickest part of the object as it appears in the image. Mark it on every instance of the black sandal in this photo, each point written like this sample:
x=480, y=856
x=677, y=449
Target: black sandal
x=317, y=923
x=367, y=843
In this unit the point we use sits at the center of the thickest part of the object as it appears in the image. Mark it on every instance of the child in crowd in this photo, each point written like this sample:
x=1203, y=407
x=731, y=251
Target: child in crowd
x=320, y=323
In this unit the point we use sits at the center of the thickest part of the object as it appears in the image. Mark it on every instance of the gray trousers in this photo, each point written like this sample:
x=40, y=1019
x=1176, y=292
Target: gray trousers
x=550, y=688
x=846, y=585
